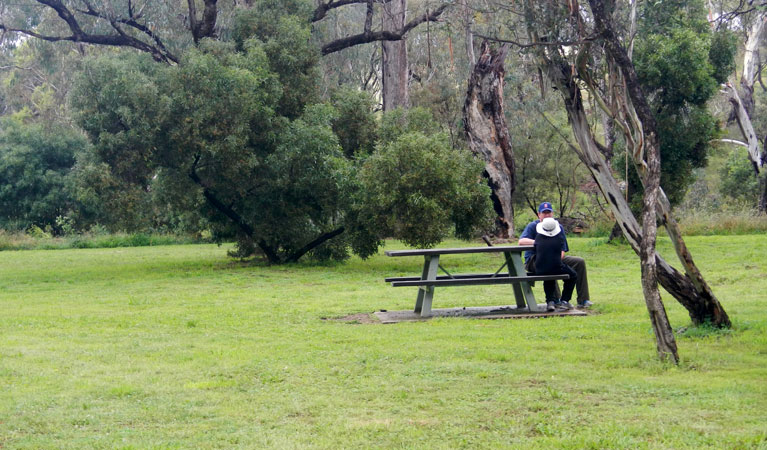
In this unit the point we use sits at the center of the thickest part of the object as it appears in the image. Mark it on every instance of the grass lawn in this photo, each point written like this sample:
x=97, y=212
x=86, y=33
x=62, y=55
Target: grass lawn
x=181, y=347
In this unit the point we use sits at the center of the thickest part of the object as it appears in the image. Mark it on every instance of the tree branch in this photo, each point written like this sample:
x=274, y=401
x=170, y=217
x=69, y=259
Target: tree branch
x=729, y=141
x=373, y=36
x=535, y=44
x=323, y=8
x=231, y=214
x=121, y=39
x=315, y=243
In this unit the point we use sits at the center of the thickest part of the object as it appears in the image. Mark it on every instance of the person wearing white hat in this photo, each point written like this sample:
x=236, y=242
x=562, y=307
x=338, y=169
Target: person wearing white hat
x=576, y=263
x=548, y=261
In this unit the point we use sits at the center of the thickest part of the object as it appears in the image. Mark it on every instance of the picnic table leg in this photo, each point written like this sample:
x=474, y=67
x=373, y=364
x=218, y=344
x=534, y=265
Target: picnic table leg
x=426, y=293
x=522, y=291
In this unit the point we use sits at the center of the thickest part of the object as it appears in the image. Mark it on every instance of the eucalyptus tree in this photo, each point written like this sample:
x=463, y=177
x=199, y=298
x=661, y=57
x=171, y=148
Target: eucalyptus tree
x=750, y=18
x=575, y=47
x=625, y=102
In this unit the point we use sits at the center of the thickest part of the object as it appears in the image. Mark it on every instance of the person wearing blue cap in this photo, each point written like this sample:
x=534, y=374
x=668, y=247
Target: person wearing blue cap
x=574, y=262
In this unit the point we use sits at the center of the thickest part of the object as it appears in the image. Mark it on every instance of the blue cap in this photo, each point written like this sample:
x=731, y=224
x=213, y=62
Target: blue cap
x=545, y=206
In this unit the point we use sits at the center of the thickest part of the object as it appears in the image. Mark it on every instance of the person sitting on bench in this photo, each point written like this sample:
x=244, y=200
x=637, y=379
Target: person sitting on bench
x=574, y=262
x=548, y=261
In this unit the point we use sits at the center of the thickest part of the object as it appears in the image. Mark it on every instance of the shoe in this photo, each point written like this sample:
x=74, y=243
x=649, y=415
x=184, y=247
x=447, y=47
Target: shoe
x=550, y=306
x=564, y=305
x=585, y=304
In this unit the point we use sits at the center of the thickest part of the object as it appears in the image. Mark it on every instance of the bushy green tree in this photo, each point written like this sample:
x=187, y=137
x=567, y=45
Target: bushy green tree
x=212, y=126
x=680, y=62
x=236, y=131
x=282, y=29
x=737, y=179
x=35, y=173
x=355, y=124
x=416, y=187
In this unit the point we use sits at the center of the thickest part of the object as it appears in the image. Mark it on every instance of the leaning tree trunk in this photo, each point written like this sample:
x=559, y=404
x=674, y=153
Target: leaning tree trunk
x=664, y=335
x=700, y=302
x=636, y=106
x=746, y=127
x=487, y=133
x=758, y=159
x=642, y=240
x=647, y=159
x=394, y=65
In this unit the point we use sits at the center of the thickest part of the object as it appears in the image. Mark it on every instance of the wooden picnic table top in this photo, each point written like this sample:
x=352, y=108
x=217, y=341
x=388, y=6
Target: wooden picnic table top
x=448, y=251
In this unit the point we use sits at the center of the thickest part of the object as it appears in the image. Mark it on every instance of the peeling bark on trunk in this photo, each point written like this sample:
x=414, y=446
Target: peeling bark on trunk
x=758, y=159
x=609, y=135
x=701, y=305
x=395, y=63
x=649, y=170
x=641, y=110
x=664, y=335
x=642, y=240
x=744, y=108
x=487, y=133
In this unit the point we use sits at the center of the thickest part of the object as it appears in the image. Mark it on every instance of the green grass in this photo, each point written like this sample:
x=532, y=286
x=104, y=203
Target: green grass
x=181, y=347
x=44, y=241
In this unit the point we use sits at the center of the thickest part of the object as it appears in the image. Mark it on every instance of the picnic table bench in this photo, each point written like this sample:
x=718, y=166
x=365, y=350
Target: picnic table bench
x=429, y=280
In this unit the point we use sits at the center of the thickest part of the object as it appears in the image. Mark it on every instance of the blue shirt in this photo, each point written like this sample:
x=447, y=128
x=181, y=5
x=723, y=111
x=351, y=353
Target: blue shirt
x=531, y=233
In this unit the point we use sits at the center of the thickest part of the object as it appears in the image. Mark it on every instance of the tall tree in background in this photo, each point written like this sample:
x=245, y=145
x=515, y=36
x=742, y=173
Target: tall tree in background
x=487, y=134
x=155, y=28
x=394, y=65
x=744, y=103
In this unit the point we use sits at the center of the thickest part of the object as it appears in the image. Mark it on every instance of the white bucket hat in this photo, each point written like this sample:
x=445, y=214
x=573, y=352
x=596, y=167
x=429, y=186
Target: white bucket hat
x=548, y=227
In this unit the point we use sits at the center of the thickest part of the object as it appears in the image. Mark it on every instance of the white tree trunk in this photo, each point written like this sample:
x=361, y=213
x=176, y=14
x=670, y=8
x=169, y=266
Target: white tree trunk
x=744, y=123
x=752, y=46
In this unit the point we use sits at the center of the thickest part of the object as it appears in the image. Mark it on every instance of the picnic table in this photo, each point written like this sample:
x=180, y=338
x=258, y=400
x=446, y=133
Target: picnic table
x=514, y=274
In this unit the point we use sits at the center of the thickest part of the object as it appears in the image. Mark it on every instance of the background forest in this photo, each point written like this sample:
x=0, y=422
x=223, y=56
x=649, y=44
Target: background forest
x=318, y=128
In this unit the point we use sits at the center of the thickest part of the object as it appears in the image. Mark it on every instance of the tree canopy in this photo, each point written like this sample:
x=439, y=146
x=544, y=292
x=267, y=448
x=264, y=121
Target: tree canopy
x=35, y=173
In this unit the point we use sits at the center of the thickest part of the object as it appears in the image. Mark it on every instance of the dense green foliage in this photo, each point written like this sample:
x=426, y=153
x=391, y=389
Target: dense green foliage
x=236, y=132
x=35, y=173
x=355, y=123
x=738, y=180
x=417, y=188
x=679, y=70
x=210, y=128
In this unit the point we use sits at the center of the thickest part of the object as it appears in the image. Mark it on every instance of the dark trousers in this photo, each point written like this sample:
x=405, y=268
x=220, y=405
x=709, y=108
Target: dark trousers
x=550, y=287
x=579, y=266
